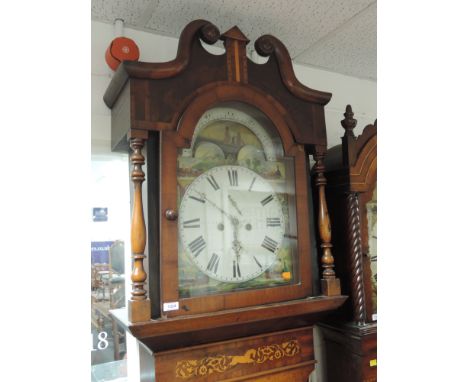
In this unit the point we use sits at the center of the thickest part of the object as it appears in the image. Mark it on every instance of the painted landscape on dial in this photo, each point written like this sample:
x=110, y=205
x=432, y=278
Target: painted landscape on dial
x=227, y=143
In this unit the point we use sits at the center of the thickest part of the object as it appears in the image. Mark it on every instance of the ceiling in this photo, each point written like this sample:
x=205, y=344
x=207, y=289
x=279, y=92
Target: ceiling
x=336, y=35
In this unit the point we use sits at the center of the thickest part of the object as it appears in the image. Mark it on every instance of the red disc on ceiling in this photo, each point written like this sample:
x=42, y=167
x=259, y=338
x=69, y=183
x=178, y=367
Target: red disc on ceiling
x=121, y=49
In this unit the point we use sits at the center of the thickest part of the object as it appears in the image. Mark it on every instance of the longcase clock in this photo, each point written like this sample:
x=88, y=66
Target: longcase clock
x=351, y=333
x=228, y=274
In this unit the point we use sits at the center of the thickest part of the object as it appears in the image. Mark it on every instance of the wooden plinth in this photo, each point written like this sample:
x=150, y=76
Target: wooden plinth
x=281, y=356
x=351, y=352
x=169, y=333
x=139, y=311
x=331, y=287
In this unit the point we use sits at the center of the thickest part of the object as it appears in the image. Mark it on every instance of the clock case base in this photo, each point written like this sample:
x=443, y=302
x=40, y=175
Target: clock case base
x=280, y=356
x=351, y=352
x=243, y=333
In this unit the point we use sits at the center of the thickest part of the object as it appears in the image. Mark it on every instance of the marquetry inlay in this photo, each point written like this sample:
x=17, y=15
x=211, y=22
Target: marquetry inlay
x=221, y=363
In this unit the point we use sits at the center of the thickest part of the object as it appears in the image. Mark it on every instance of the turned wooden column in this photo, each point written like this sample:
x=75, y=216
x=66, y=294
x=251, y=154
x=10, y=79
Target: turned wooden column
x=139, y=305
x=330, y=284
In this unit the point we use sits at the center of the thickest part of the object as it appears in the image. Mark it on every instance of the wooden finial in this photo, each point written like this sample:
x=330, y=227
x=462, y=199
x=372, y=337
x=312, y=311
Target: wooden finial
x=234, y=34
x=349, y=123
x=236, y=54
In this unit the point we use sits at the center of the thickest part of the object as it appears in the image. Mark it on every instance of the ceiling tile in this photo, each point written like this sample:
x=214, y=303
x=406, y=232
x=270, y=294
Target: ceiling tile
x=351, y=49
x=333, y=35
x=131, y=11
x=298, y=24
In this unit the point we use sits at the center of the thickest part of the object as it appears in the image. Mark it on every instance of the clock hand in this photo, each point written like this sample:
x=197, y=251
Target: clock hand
x=203, y=196
x=236, y=244
x=234, y=203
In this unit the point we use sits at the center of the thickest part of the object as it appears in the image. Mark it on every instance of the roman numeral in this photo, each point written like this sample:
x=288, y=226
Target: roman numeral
x=233, y=179
x=251, y=184
x=213, y=263
x=235, y=269
x=267, y=200
x=373, y=258
x=258, y=263
x=194, y=223
x=273, y=222
x=213, y=182
x=197, y=246
x=197, y=199
x=270, y=244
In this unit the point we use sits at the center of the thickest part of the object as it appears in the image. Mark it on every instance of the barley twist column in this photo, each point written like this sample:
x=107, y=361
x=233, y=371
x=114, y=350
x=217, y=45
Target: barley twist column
x=355, y=256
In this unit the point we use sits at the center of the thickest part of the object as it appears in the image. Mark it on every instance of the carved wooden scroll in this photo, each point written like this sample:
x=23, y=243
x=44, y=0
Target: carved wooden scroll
x=139, y=304
x=267, y=45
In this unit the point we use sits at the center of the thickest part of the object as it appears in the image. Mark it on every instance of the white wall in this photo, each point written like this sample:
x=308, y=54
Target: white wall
x=361, y=94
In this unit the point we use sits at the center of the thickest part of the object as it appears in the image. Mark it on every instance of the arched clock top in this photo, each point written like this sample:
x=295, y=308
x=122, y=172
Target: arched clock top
x=252, y=106
x=346, y=154
x=354, y=162
x=159, y=92
x=354, y=147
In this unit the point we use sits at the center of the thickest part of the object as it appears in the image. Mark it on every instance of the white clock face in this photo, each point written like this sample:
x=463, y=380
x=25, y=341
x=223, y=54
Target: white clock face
x=231, y=223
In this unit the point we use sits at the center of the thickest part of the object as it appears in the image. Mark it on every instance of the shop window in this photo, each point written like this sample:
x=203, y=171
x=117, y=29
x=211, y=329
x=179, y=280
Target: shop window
x=110, y=228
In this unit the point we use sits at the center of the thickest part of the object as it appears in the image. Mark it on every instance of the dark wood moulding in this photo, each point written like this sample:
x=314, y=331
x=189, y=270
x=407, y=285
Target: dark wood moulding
x=164, y=334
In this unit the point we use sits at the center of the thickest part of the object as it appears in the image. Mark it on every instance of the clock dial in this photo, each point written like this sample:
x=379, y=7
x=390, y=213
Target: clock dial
x=231, y=223
x=237, y=207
